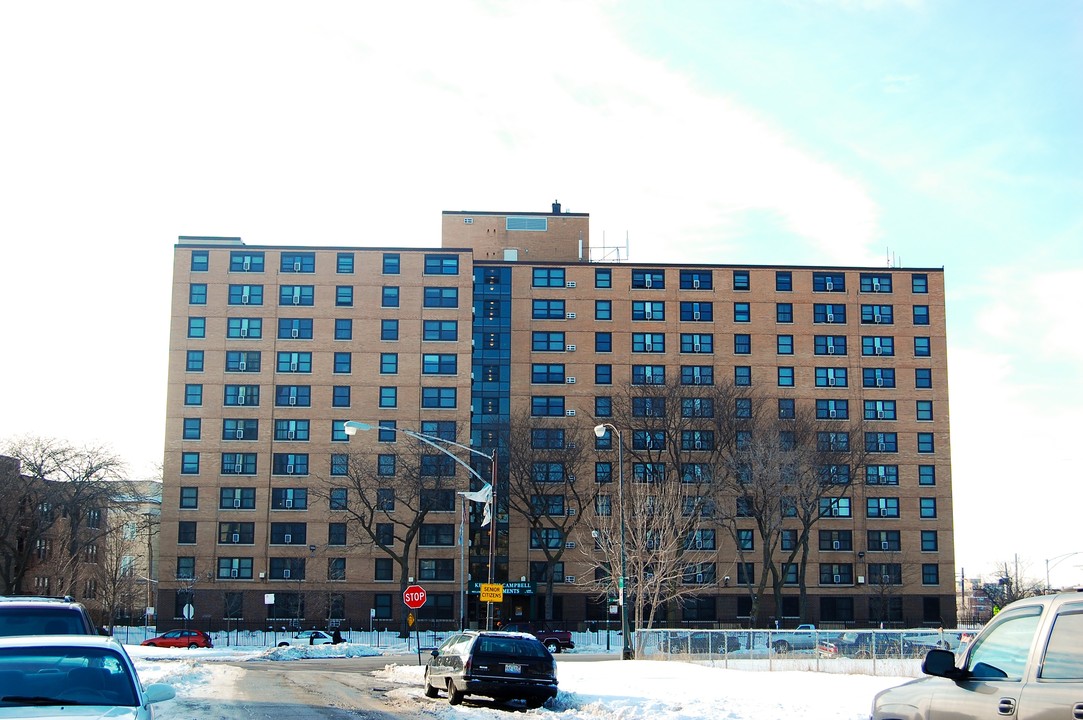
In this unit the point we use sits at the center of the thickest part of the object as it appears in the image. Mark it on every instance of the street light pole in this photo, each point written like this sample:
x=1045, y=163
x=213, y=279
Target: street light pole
x=352, y=426
x=1056, y=561
x=627, y=652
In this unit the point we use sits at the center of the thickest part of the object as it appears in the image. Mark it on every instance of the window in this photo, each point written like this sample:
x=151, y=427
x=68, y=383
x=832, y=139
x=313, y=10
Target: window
x=831, y=377
x=603, y=278
x=245, y=261
x=878, y=377
x=289, y=499
x=603, y=473
x=927, y=507
x=925, y=442
x=547, y=472
x=926, y=475
x=547, y=309
x=603, y=310
x=881, y=442
x=441, y=264
x=389, y=363
x=340, y=396
x=389, y=296
x=293, y=395
x=239, y=463
x=929, y=542
x=836, y=540
x=241, y=395
x=603, y=374
x=547, y=277
x=742, y=344
x=296, y=295
x=547, y=373
x=389, y=397
x=829, y=344
x=742, y=312
x=547, y=341
x=340, y=464
x=829, y=282
x=833, y=442
x=697, y=375
x=785, y=377
x=200, y=261
x=245, y=295
x=343, y=362
x=246, y=361
x=551, y=538
x=294, y=362
x=603, y=342
x=740, y=280
x=391, y=264
x=877, y=315
x=875, y=282
x=547, y=405
x=295, y=328
x=197, y=294
x=547, y=438
x=887, y=507
x=648, y=407
x=879, y=409
x=882, y=474
x=746, y=573
x=648, y=342
x=190, y=463
x=443, y=398
x=244, y=328
x=784, y=312
x=783, y=281
x=603, y=406
x=289, y=464
x=648, y=279
x=830, y=314
x=338, y=499
x=742, y=408
x=344, y=296
x=439, y=330
x=742, y=375
x=924, y=410
x=697, y=343
x=832, y=409
x=786, y=409
x=189, y=498
x=238, y=429
x=643, y=310
x=192, y=428
x=696, y=280
x=186, y=568
x=385, y=465
x=343, y=263
x=297, y=262
x=197, y=327
x=878, y=345
x=441, y=297
x=919, y=283
x=921, y=314
x=194, y=361
x=389, y=329
x=930, y=574
x=697, y=439
x=439, y=364
x=343, y=329
x=923, y=378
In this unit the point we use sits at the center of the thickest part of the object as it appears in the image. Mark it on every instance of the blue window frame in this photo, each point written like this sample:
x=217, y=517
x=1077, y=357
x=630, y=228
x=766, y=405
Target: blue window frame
x=742, y=312
x=829, y=282
x=197, y=327
x=648, y=279
x=190, y=463
x=878, y=345
x=697, y=375
x=547, y=277
x=924, y=410
x=784, y=312
x=245, y=295
x=926, y=444
x=829, y=344
x=344, y=263
x=298, y=262
x=389, y=296
x=194, y=361
x=783, y=281
x=877, y=315
x=742, y=344
x=648, y=374
x=437, y=397
x=344, y=296
x=343, y=329
x=921, y=314
x=547, y=405
x=439, y=330
x=923, y=377
x=648, y=342
x=287, y=430
x=293, y=395
x=919, y=283
x=441, y=297
x=878, y=377
x=547, y=341
x=193, y=428
x=389, y=396
x=295, y=328
x=784, y=344
x=244, y=328
x=829, y=314
x=926, y=475
x=343, y=362
x=200, y=261
x=547, y=309
x=389, y=363
x=441, y=264
x=235, y=395
x=289, y=464
x=831, y=409
x=304, y=295
x=697, y=311
x=245, y=261
x=603, y=309
x=340, y=396
x=391, y=264
x=696, y=280
x=603, y=342
x=922, y=347
x=785, y=377
x=293, y=362
x=389, y=329
x=697, y=343
x=832, y=377
x=603, y=278
x=240, y=429
x=603, y=406
x=439, y=364
x=742, y=375
x=197, y=294
x=603, y=374
x=741, y=280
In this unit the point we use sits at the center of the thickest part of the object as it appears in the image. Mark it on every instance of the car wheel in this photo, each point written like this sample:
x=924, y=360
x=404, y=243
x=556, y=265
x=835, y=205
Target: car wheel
x=431, y=691
x=150, y=644
x=553, y=646
x=283, y=644
x=863, y=654
x=192, y=645
x=782, y=646
x=454, y=695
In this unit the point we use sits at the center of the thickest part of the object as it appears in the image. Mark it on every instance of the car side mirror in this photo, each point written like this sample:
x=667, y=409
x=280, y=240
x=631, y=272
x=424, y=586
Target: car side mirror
x=941, y=663
x=435, y=652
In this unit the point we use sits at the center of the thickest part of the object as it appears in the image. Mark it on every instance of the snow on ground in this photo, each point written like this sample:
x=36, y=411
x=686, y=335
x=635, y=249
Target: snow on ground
x=604, y=690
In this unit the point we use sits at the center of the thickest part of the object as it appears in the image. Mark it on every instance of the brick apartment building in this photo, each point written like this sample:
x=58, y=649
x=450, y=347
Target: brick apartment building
x=274, y=348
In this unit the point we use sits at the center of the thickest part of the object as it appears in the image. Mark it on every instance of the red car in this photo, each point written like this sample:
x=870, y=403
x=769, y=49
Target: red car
x=181, y=639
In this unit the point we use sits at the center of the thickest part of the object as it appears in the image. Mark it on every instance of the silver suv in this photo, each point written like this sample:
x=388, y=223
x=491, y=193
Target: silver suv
x=39, y=615
x=1027, y=663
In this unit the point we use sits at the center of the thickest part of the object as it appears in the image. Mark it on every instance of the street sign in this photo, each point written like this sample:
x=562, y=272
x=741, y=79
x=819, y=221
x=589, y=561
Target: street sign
x=410, y=619
x=414, y=596
x=188, y=611
x=492, y=592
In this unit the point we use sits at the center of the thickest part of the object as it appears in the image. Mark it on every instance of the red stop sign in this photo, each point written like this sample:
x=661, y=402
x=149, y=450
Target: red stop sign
x=414, y=596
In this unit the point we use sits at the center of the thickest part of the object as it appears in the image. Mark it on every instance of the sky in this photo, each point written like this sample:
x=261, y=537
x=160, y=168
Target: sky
x=908, y=133
x=603, y=690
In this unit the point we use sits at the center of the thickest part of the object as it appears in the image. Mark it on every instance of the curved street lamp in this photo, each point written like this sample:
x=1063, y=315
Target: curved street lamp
x=1056, y=561
x=599, y=431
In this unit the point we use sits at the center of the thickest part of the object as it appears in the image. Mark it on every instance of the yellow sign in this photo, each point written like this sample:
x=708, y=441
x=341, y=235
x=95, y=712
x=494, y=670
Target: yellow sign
x=410, y=619
x=492, y=592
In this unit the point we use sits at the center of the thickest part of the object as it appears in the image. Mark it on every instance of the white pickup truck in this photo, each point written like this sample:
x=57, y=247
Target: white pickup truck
x=804, y=637
x=1025, y=664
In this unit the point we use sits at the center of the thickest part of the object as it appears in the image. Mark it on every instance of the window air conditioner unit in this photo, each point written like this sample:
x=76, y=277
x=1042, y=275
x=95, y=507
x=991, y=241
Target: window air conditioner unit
x=875, y=285
x=830, y=317
x=699, y=544
x=695, y=315
x=244, y=299
x=570, y=413
x=294, y=332
x=831, y=382
x=647, y=282
x=695, y=283
x=236, y=537
x=569, y=545
x=570, y=316
x=297, y=299
x=262, y=575
x=876, y=318
x=885, y=545
x=648, y=315
x=297, y=267
x=838, y=579
x=292, y=400
x=835, y=545
x=240, y=434
x=830, y=349
x=571, y=478
x=878, y=350
x=247, y=264
x=238, y=468
x=648, y=347
x=570, y=283
x=244, y=332
x=289, y=469
x=571, y=510
x=834, y=512
x=287, y=538
x=699, y=578
x=879, y=382
x=880, y=414
x=290, y=434
x=233, y=572
x=696, y=347
x=570, y=380
x=569, y=579
x=571, y=446
x=831, y=413
x=569, y=348
x=288, y=504
x=697, y=445
x=240, y=399
x=886, y=579
x=241, y=366
x=293, y=367
x=286, y=574
x=696, y=380
x=236, y=502
x=829, y=285
x=881, y=447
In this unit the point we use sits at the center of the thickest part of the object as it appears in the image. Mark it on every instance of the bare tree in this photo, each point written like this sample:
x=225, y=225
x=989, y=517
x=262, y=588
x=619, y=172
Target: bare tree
x=548, y=486
x=1011, y=584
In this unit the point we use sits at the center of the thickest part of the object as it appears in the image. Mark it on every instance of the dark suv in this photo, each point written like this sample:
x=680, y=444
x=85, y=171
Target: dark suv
x=502, y=665
x=39, y=615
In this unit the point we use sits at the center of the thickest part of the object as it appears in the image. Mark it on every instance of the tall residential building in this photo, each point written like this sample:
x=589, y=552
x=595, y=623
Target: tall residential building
x=509, y=329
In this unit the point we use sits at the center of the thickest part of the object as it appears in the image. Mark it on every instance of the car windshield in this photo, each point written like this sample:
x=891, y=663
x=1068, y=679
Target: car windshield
x=39, y=621
x=511, y=646
x=64, y=676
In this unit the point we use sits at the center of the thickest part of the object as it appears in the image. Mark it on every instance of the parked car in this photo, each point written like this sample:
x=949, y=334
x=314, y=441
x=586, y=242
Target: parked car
x=701, y=642
x=862, y=645
x=73, y=676
x=181, y=639
x=38, y=615
x=506, y=666
x=804, y=637
x=554, y=640
x=308, y=637
x=1025, y=663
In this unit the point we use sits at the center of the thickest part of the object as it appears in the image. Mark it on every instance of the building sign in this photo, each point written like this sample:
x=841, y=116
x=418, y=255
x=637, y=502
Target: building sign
x=510, y=588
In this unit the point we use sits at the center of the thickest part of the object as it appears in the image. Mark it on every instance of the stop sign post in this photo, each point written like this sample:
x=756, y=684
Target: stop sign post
x=414, y=596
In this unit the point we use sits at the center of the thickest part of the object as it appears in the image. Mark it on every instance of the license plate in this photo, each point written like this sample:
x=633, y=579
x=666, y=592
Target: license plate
x=513, y=669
